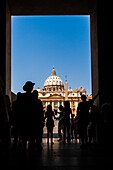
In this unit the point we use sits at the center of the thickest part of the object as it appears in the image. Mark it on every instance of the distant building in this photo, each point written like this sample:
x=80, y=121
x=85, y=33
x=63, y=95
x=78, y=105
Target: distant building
x=55, y=93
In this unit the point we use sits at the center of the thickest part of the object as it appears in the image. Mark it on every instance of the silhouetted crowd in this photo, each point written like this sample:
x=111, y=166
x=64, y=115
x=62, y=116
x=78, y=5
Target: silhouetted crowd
x=26, y=118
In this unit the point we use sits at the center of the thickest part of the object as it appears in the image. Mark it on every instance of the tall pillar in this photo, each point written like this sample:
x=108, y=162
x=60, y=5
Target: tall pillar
x=5, y=47
x=105, y=50
x=66, y=89
x=94, y=55
x=3, y=43
x=8, y=52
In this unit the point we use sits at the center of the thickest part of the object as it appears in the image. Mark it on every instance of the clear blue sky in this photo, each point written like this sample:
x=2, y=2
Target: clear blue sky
x=41, y=42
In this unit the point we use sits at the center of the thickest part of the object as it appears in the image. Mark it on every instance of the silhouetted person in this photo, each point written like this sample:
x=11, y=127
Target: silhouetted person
x=27, y=110
x=74, y=125
x=55, y=112
x=93, y=120
x=8, y=106
x=106, y=123
x=16, y=112
x=37, y=120
x=61, y=122
x=66, y=112
x=83, y=117
x=4, y=119
x=50, y=122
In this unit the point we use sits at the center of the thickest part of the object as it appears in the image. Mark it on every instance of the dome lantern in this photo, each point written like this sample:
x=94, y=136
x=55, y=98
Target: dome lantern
x=53, y=73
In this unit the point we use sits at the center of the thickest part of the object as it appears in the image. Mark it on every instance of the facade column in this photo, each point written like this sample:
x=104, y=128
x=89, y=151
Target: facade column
x=76, y=105
x=70, y=104
x=58, y=105
x=46, y=104
x=52, y=105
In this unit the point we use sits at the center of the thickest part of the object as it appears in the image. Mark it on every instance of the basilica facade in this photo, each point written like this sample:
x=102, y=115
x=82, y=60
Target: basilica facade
x=55, y=93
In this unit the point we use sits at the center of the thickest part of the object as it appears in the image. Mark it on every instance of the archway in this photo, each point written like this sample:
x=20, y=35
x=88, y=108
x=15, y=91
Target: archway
x=38, y=8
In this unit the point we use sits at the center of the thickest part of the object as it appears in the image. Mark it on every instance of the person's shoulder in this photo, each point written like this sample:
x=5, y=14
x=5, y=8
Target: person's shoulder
x=39, y=101
x=88, y=103
x=81, y=103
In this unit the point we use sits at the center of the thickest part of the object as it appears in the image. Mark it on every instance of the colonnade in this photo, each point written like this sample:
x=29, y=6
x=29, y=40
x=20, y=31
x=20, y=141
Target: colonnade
x=55, y=105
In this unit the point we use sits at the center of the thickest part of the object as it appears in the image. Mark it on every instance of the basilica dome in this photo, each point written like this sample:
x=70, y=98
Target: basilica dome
x=53, y=80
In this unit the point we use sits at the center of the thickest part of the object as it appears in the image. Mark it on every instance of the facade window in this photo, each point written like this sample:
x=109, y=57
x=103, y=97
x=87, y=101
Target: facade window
x=81, y=93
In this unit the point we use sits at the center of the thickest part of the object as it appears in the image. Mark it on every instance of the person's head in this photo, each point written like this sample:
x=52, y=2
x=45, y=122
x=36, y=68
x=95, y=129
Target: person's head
x=83, y=97
x=28, y=87
x=60, y=107
x=35, y=94
x=66, y=104
x=19, y=95
x=49, y=108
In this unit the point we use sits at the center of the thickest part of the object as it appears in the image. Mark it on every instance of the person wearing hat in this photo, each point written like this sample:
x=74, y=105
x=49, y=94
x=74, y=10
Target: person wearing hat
x=28, y=87
x=27, y=109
